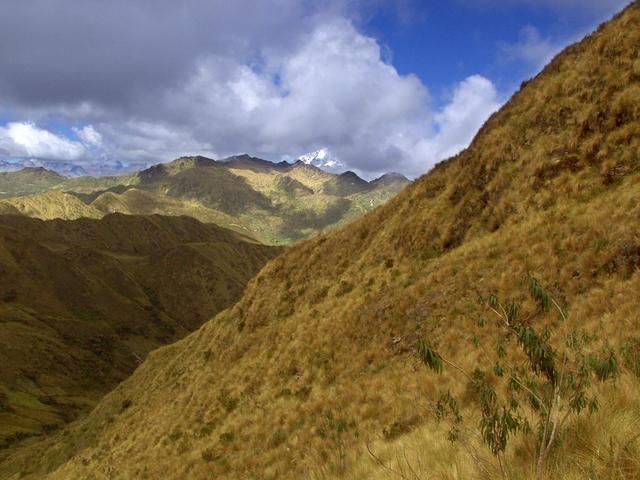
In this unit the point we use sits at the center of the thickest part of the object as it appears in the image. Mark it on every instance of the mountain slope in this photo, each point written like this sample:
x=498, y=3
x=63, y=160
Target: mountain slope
x=50, y=205
x=81, y=304
x=28, y=181
x=274, y=202
x=393, y=181
x=318, y=356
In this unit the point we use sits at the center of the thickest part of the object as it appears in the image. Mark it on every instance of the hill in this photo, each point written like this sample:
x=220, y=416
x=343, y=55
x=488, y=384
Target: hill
x=319, y=356
x=50, y=205
x=82, y=303
x=275, y=203
x=28, y=181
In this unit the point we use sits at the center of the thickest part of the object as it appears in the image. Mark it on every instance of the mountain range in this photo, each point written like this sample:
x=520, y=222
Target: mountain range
x=274, y=203
x=322, y=159
x=315, y=372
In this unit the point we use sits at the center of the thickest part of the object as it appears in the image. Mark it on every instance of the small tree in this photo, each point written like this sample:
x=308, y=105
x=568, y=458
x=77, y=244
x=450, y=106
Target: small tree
x=544, y=390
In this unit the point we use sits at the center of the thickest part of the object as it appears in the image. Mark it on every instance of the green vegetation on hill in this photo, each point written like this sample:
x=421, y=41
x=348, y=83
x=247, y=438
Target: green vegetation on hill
x=275, y=203
x=28, y=181
x=83, y=302
x=49, y=205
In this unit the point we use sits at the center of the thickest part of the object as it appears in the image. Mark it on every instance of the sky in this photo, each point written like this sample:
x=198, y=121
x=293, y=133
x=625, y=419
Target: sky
x=383, y=85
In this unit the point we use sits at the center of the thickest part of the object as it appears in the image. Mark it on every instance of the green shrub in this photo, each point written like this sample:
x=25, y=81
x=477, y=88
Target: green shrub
x=542, y=393
x=226, y=437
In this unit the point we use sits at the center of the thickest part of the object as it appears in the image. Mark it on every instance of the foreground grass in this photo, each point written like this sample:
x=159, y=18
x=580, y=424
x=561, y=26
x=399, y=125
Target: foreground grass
x=604, y=445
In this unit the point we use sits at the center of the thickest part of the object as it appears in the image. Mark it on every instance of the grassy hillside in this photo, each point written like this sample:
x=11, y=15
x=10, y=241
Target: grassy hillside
x=319, y=356
x=28, y=181
x=83, y=302
x=276, y=203
x=50, y=205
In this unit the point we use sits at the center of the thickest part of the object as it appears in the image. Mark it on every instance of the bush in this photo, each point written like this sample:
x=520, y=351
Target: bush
x=10, y=296
x=226, y=437
x=542, y=393
x=277, y=439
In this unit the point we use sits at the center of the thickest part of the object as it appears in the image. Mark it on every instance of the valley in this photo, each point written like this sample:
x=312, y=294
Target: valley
x=83, y=302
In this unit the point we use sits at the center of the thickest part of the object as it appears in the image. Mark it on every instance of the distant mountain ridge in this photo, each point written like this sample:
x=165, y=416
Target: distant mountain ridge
x=276, y=203
x=322, y=159
x=68, y=169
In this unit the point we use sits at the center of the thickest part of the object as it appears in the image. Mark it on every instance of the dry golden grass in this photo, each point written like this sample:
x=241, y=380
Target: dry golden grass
x=83, y=302
x=318, y=357
x=604, y=445
x=54, y=204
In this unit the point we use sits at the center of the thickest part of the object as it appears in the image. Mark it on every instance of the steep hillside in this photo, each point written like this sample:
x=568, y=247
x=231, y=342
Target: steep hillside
x=319, y=356
x=82, y=303
x=28, y=181
x=51, y=205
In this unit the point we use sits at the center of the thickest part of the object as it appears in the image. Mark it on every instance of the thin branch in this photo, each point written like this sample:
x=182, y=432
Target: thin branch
x=383, y=465
x=460, y=369
x=404, y=453
x=530, y=392
x=564, y=317
x=503, y=470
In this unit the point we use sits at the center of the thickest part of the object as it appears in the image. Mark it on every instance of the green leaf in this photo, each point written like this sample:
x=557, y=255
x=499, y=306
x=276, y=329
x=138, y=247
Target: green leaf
x=429, y=356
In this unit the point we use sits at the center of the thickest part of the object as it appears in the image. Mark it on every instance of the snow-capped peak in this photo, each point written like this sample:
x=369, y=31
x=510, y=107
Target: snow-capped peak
x=322, y=159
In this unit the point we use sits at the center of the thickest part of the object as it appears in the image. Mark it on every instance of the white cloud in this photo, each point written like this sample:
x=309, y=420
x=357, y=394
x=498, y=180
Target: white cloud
x=333, y=91
x=24, y=139
x=473, y=101
x=89, y=135
x=328, y=86
x=534, y=49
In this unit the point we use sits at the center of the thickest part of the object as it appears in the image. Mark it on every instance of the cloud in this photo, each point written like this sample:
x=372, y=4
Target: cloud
x=88, y=135
x=19, y=139
x=473, y=101
x=533, y=49
x=149, y=81
x=334, y=91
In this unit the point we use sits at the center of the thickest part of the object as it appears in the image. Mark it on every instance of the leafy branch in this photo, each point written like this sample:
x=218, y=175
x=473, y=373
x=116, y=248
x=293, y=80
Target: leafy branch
x=546, y=390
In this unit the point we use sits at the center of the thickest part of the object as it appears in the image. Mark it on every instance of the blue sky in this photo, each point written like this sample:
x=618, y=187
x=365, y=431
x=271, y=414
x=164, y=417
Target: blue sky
x=442, y=42
x=381, y=85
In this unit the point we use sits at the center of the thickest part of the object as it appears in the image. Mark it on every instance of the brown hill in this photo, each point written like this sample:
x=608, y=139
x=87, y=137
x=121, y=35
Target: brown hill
x=8, y=209
x=318, y=357
x=82, y=303
x=51, y=205
x=28, y=181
